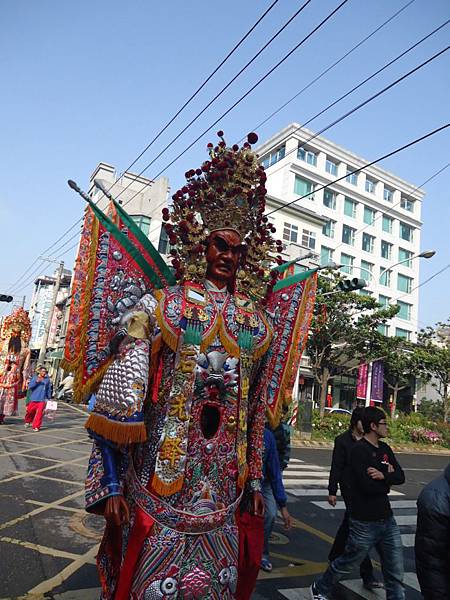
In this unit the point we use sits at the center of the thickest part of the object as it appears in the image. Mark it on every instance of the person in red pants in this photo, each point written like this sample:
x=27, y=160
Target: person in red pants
x=40, y=390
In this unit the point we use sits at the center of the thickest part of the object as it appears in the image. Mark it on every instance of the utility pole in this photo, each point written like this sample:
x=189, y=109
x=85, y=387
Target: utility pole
x=43, y=349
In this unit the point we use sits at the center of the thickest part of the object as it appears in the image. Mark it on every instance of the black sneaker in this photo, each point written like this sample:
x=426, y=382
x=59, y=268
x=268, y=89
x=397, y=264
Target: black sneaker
x=315, y=594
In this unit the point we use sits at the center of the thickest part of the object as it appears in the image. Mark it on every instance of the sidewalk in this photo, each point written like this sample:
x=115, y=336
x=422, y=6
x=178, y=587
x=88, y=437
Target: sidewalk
x=48, y=542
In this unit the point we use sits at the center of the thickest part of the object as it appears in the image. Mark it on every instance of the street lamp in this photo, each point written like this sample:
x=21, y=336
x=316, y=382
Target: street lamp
x=424, y=254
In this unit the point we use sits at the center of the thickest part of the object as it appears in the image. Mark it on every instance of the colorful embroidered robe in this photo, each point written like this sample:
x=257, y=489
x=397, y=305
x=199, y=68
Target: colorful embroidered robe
x=204, y=437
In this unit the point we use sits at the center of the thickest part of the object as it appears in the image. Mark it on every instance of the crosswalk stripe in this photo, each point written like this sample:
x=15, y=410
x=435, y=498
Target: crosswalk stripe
x=408, y=539
x=307, y=473
x=406, y=519
x=340, y=505
x=299, y=468
x=303, y=482
x=307, y=492
x=296, y=460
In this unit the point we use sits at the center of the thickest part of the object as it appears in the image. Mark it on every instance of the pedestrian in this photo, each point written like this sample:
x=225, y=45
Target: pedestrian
x=282, y=435
x=340, y=475
x=432, y=545
x=374, y=469
x=274, y=495
x=40, y=390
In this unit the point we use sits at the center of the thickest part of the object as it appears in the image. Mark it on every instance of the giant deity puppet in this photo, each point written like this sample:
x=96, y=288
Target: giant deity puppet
x=200, y=357
x=15, y=334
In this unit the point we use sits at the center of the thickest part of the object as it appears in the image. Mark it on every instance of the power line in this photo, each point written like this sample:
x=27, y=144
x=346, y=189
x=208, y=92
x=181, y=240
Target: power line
x=344, y=56
x=369, y=164
x=263, y=78
x=426, y=281
x=198, y=115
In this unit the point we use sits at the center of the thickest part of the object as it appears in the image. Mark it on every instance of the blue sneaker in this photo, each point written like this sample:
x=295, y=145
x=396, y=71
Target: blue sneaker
x=266, y=565
x=315, y=594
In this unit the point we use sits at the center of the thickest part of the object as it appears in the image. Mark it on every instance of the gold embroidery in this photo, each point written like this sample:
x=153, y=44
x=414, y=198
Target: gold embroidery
x=171, y=451
x=178, y=408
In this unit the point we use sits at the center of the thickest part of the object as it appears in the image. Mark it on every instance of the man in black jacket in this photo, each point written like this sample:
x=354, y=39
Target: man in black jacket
x=433, y=538
x=374, y=469
x=340, y=474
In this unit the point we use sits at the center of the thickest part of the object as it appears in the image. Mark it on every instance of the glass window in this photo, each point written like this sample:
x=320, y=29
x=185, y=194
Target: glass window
x=350, y=207
x=328, y=229
x=273, y=157
x=388, y=194
x=369, y=215
x=351, y=177
x=386, y=250
x=347, y=261
x=163, y=244
x=290, y=232
x=407, y=204
x=402, y=333
x=142, y=222
x=405, y=310
x=348, y=235
x=302, y=187
x=307, y=156
x=405, y=255
x=326, y=255
x=366, y=270
x=370, y=186
x=404, y=283
x=331, y=167
x=406, y=232
x=385, y=277
x=384, y=300
x=387, y=224
x=383, y=329
x=365, y=292
x=309, y=239
x=329, y=199
x=368, y=242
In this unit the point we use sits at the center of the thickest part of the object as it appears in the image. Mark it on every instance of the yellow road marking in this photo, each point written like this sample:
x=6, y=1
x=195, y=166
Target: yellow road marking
x=41, y=549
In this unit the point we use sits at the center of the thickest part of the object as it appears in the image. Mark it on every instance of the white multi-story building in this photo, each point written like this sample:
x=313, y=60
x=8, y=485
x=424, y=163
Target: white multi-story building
x=370, y=220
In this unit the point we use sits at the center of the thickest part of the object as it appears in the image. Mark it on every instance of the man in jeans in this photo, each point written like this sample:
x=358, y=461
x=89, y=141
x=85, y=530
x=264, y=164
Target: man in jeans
x=40, y=390
x=374, y=469
x=341, y=475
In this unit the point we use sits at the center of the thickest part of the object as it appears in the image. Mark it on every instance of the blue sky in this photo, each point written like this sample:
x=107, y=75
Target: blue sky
x=87, y=81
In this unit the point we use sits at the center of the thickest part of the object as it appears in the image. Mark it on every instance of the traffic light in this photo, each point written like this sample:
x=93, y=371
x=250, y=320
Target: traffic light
x=5, y=298
x=350, y=285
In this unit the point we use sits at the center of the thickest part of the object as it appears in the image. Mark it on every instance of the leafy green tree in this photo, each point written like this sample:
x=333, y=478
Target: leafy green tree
x=344, y=329
x=433, y=360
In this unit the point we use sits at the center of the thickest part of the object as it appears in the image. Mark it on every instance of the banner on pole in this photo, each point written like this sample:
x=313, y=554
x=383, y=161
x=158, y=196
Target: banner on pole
x=376, y=393
x=361, y=385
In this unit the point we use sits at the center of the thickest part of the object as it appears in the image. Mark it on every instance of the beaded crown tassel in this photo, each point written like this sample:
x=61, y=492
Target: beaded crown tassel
x=226, y=192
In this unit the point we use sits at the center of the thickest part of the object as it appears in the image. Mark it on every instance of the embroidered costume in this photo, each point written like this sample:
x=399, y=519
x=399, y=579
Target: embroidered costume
x=180, y=410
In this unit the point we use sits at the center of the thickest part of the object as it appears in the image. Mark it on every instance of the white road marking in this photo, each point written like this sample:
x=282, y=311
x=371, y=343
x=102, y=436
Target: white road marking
x=303, y=482
x=340, y=505
x=406, y=519
x=408, y=539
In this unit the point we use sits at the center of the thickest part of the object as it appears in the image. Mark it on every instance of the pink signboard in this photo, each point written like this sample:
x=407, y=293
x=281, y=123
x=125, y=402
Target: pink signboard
x=361, y=386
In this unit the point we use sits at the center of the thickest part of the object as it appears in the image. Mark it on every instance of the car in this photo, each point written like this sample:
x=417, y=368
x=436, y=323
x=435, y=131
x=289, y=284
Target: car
x=343, y=411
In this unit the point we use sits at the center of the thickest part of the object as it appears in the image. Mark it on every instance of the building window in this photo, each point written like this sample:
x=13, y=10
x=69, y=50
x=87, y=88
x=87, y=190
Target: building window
x=307, y=156
x=404, y=283
x=273, y=157
x=407, y=204
x=290, y=232
x=370, y=186
x=365, y=292
x=405, y=257
x=384, y=300
x=303, y=188
x=163, y=244
x=142, y=222
x=326, y=256
x=388, y=194
x=402, y=333
x=347, y=261
x=350, y=207
x=331, y=167
x=329, y=199
x=328, y=229
x=368, y=242
x=387, y=224
x=366, y=270
x=383, y=329
x=348, y=235
x=405, y=310
x=369, y=215
x=309, y=239
x=351, y=177
x=386, y=250
x=385, y=277
x=406, y=232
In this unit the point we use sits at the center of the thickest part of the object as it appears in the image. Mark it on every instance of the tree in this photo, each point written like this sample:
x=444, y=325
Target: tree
x=433, y=360
x=399, y=358
x=343, y=330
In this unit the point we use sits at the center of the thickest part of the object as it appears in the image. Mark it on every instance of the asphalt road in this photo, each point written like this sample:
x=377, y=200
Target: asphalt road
x=48, y=543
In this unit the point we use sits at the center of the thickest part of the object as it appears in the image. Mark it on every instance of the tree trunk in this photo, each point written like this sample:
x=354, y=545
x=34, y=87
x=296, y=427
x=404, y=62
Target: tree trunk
x=394, y=401
x=323, y=390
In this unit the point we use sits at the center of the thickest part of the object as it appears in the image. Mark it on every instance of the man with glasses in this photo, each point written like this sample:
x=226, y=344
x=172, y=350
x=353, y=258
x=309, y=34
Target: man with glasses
x=374, y=469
